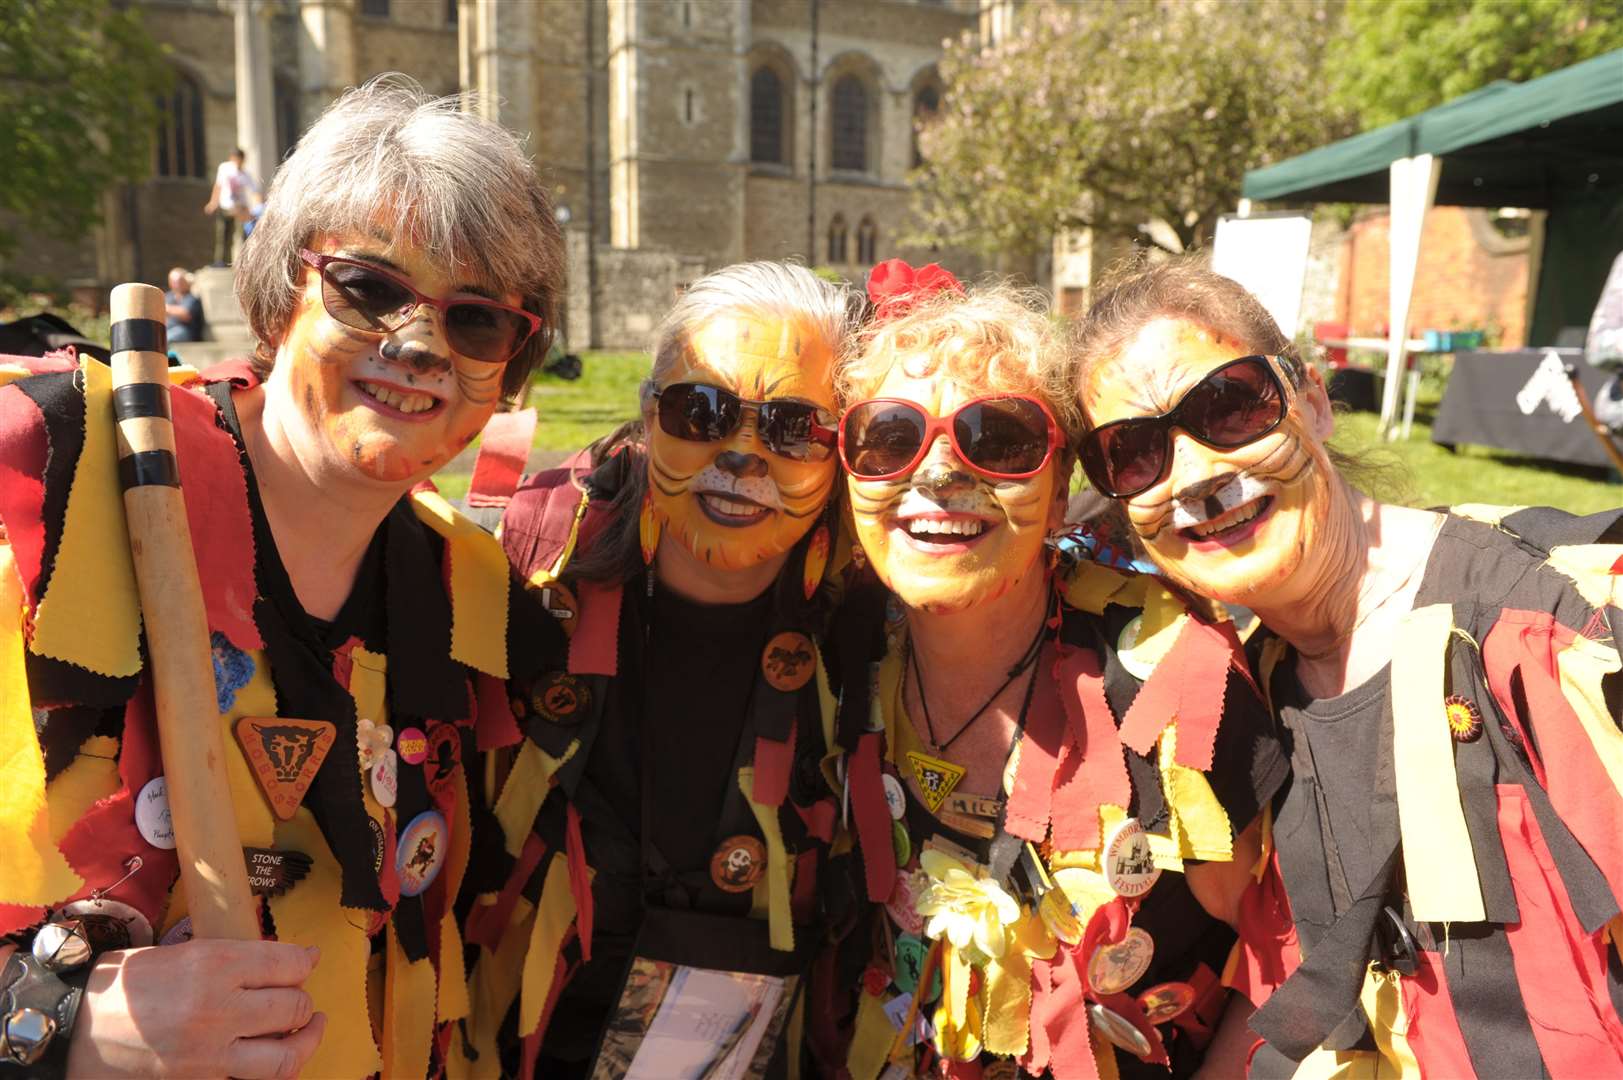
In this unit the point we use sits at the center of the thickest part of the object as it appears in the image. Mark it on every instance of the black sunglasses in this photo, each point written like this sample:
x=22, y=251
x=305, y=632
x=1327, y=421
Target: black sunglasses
x=699, y=412
x=1233, y=405
x=365, y=297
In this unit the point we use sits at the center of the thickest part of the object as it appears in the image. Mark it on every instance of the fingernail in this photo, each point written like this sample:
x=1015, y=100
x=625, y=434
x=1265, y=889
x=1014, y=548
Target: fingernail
x=314, y=953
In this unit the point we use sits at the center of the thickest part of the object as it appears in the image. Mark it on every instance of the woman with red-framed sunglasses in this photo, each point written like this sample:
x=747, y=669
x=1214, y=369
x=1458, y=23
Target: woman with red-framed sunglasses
x=1447, y=851
x=1014, y=839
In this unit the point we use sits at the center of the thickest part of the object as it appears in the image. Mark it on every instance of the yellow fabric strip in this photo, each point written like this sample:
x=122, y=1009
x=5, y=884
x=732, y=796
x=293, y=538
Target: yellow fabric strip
x=870, y=1042
x=1199, y=824
x=526, y=789
x=408, y=1010
x=1382, y=999
x=256, y=825
x=1589, y=568
x=826, y=702
x=369, y=684
x=780, y=920
x=36, y=873
x=95, y=546
x=91, y=776
x=479, y=577
x=1581, y=667
x=494, y=985
x=1163, y=619
x=1438, y=862
x=1090, y=587
x=554, y=916
x=1008, y=987
x=311, y=915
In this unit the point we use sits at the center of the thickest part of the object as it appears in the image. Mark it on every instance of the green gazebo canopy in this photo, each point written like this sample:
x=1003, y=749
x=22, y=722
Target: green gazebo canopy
x=1536, y=144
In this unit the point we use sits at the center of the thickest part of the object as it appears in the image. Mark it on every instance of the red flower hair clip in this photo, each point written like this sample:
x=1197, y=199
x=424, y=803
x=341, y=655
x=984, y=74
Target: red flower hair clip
x=894, y=286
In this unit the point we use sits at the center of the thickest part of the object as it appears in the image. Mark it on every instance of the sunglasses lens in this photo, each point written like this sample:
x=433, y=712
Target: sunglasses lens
x=364, y=299
x=1234, y=405
x=1003, y=435
x=485, y=331
x=1126, y=458
x=797, y=430
x=882, y=437
x=698, y=413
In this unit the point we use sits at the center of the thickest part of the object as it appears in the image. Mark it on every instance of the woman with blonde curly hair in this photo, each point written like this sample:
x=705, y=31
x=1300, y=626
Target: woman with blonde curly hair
x=1023, y=785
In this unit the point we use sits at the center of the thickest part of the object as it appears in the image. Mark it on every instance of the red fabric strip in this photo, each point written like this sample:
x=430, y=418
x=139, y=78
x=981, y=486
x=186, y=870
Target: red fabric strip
x=1100, y=775
x=819, y=819
x=1434, y=1029
x=1031, y=804
x=1560, y=970
x=595, y=647
x=580, y=881
x=24, y=448
x=772, y=762
x=1126, y=1006
x=216, y=493
x=496, y=726
x=803, y=902
x=1269, y=952
x=1580, y=789
x=1159, y=698
x=504, y=450
x=1064, y=1020
x=1204, y=653
x=1199, y=1021
x=1038, y=1051
x=873, y=818
x=488, y=922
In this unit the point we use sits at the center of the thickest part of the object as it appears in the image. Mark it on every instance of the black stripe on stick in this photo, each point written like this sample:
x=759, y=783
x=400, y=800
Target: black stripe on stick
x=140, y=335
x=141, y=399
x=149, y=467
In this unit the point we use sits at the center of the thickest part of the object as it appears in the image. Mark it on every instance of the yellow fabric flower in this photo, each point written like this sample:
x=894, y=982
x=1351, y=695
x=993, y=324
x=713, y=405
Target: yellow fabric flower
x=966, y=910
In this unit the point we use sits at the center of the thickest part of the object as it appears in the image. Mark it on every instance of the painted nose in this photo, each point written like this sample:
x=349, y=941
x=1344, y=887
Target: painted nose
x=941, y=471
x=418, y=343
x=741, y=465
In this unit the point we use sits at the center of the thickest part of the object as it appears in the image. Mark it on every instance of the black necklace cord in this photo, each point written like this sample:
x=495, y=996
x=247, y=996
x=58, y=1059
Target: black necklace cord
x=1025, y=663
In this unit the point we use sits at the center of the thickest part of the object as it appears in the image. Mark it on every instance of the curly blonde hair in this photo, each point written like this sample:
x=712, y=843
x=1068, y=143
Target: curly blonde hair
x=993, y=338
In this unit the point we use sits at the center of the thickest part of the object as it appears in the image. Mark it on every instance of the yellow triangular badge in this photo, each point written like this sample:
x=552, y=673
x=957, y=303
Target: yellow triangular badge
x=936, y=778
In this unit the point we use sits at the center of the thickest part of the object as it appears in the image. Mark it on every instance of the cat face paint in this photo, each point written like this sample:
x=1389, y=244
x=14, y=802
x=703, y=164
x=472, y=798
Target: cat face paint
x=1228, y=524
x=945, y=538
x=735, y=503
x=389, y=407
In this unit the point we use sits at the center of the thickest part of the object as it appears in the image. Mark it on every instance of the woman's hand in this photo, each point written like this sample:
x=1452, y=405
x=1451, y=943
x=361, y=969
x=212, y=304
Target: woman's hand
x=1219, y=885
x=201, y=1008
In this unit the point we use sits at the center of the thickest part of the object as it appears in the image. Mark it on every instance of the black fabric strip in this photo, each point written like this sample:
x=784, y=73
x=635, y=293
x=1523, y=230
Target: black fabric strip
x=141, y=399
x=1482, y=984
x=148, y=467
x=140, y=335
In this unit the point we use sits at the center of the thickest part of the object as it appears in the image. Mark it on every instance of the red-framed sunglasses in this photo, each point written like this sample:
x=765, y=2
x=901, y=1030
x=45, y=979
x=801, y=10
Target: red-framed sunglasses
x=367, y=297
x=1235, y=404
x=1004, y=437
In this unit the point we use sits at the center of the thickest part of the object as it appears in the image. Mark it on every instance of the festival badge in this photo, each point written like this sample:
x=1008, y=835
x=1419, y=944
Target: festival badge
x=371, y=740
x=444, y=754
x=1166, y=1001
x=421, y=852
x=560, y=698
x=1113, y=968
x=911, y=953
x=412, y=746
x=1128, y=866
x=272, y=872
x=936, y=778
x=788, y=661
x=1464, y=718
x=1118, y=1030
x=1131, y=662
x=108, y=924
x=738, y=863
x=152, y=814
x=559, y=602
x=903, y=895
x=285, y=754
x=385, y=778
x=895, y=797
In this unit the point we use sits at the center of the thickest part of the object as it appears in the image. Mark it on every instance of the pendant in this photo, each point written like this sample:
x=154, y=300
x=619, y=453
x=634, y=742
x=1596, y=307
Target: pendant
x=936, y=777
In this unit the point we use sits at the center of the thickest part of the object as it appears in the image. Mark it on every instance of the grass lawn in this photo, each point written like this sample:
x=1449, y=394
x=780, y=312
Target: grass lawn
x=573, y=413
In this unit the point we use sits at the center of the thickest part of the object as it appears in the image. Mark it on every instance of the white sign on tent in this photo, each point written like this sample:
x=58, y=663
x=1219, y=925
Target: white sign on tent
x=1267, y=253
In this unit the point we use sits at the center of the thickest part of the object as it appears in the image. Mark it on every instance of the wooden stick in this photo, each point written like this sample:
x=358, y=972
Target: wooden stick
x=1602, y=432
x=180, y=666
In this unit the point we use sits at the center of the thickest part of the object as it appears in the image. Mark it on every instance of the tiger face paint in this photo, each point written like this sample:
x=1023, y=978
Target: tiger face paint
x=389, y=407
x=946, y=538
x=1233, y=525
x=735, y=503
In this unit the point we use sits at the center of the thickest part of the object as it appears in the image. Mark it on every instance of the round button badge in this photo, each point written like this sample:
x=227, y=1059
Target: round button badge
x=1128, y=865
x=421, y=852
x=738, y=863
x=1166, y=1001
x=412, y=746
x=1113, y=968
x=895, y=797
x=109, y=924
x=788, y=661
x=560, y=698
x=1118, y=1030
x=152, y=815
x=1130, y=661
x=385, y=777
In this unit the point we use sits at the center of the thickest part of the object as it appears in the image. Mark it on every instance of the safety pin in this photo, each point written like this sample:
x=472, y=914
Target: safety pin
x=130, y=869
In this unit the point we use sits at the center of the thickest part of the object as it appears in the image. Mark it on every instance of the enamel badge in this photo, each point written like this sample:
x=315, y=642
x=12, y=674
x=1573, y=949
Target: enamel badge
x=272, y=872
x=421, y=852
x=1464, y=718
x=788, y=661
x=936, y=778
x=285, y=755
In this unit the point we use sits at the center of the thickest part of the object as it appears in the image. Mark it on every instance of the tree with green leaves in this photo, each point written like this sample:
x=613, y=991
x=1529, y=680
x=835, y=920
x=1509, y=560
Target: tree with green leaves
x=1110, y=113
x=1392, y=60
x=79, y=84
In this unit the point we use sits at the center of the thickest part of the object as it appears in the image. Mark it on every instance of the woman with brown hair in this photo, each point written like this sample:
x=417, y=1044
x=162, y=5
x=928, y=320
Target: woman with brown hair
x=1447, y=856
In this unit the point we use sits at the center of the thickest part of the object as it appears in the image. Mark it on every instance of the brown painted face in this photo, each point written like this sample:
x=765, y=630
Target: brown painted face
x=944, y=537
x=1233, y=525
x=735, y=503
x=389, y=407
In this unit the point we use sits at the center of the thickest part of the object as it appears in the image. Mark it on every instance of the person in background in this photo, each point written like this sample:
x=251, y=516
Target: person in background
x=230, y=202
x=182, y=308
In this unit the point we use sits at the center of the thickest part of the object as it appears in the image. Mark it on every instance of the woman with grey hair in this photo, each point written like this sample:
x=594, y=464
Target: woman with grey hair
x=402, y=279
x=685, y=732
